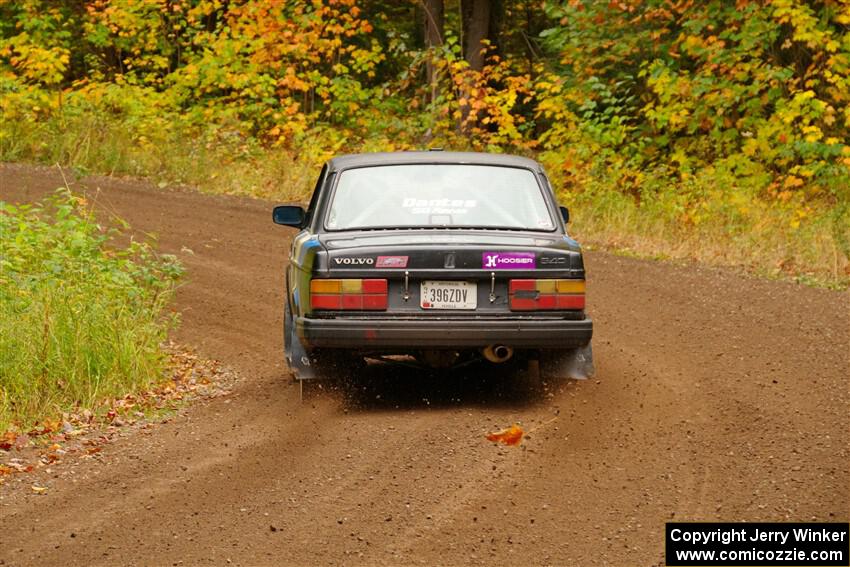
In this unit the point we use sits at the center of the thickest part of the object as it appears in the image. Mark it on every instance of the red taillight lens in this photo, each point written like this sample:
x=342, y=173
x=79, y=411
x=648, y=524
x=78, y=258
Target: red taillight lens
x=354, y=295
x=535, y=295
x=375, y=286
x=325, y=301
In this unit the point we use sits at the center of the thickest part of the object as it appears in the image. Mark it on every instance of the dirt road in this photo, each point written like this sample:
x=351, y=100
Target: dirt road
x=718, y=397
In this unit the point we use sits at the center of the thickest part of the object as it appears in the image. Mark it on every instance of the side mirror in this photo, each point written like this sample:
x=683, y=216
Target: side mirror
x=565, y=214
x=289, y=215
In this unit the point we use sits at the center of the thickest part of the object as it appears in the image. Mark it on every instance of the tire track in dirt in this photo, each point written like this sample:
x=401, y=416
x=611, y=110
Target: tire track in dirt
x=718, y=397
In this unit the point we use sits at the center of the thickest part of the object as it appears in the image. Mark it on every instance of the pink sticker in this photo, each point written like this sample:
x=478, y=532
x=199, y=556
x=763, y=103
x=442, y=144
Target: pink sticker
x=508, y=261
x=391, y=262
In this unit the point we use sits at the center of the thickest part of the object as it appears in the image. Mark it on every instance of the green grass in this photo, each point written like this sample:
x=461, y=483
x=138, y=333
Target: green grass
x=161, y=148
x=765, y=243
x=81, y=318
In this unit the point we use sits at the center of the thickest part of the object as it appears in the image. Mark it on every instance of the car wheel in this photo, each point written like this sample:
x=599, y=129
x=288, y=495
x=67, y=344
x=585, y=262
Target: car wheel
x=336, y=364
x=530, y=379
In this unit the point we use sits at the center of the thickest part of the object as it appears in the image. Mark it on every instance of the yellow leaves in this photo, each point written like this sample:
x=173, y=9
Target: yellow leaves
x=812, y=133
x=46, y=65
x=792, y=182
x=804, y=22
x=679, y=117
x=693, y=41
x=829, y=116
x=798, y=217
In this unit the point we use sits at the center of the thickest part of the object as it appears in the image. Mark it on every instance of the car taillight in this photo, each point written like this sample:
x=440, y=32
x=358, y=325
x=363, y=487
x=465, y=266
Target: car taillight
x=340, y=295
x=534, y=295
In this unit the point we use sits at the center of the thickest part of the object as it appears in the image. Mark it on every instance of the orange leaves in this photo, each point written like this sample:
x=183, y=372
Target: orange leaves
x=792, y=182
x=511, y=436
x=483, y=103
x=7, y=440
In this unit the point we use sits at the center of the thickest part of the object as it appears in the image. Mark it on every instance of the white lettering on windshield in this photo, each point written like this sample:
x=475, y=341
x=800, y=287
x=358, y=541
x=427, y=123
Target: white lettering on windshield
x=438, y=206
x=464, y=203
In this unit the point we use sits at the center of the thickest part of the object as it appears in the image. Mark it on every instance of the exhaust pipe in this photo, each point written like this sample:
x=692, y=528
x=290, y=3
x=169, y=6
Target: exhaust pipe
x=497, y=353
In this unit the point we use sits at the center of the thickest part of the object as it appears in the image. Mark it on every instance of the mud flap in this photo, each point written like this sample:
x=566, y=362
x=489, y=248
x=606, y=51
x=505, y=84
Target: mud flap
x=575, y=363
x=299, y=361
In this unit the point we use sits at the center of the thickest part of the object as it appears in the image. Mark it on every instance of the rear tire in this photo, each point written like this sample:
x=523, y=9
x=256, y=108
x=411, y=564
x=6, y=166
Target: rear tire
x=531, y=378
x=336, y=364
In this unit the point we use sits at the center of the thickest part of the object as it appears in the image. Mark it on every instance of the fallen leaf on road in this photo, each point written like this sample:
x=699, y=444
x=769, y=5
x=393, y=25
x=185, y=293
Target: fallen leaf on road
x=39, y=489
x=7, y=440
x=16, y=465
x=510, y=436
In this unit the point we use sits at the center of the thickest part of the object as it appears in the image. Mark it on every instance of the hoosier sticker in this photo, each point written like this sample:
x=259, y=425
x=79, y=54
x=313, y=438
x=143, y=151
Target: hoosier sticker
x=508, y=261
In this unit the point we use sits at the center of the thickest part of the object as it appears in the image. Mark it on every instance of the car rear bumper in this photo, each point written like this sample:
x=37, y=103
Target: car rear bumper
x=412, y=333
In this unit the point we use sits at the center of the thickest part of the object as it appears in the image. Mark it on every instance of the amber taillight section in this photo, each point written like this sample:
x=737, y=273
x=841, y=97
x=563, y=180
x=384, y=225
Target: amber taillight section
x=350, y=294
x=537, y=295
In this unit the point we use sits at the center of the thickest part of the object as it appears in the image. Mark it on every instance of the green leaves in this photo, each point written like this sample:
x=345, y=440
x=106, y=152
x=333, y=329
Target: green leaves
x=80, y=316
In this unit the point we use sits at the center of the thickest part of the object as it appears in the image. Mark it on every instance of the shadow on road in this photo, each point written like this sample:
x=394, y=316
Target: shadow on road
x=385, y=387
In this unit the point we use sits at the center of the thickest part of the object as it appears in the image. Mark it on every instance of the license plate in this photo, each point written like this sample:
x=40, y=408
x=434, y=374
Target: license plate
x=448, y=295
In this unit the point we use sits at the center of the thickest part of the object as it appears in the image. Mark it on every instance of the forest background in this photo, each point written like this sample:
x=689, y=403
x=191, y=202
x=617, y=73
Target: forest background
x=715, y=131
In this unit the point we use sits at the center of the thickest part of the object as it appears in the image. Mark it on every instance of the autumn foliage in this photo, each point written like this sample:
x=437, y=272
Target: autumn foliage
x=670, y=124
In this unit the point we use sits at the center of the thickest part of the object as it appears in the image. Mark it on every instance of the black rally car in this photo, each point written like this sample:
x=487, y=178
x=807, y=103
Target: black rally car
x=446, y=257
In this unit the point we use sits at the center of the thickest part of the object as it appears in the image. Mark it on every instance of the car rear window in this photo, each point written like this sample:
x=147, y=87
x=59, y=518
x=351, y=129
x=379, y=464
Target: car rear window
x=438, y=195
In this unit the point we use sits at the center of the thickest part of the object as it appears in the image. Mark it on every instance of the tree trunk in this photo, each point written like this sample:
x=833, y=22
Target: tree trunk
x=434, y=20
x=477, y=31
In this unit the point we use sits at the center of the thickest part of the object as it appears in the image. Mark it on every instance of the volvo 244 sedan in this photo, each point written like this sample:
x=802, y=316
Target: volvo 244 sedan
x=440, y=258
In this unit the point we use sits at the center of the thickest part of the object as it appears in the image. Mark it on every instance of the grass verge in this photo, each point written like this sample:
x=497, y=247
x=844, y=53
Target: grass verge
x=161, y=148
x=81, y=318
x=82, y=433
x=764, y=243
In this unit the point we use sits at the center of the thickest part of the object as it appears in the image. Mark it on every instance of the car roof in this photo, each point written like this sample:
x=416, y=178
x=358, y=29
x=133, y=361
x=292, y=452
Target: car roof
x=429, y=157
